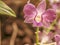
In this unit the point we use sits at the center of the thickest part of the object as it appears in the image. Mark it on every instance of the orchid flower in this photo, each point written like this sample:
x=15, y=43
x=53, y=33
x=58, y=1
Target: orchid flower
x=57, y=39
x=38, y=16
x=55, y=4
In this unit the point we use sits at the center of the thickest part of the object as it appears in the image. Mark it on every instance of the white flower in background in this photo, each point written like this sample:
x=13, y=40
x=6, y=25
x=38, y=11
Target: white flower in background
x=53, y=1
x=55, y=5
x=45, y=39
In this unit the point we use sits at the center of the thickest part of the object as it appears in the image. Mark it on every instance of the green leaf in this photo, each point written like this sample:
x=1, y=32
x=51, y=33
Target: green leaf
x=5, y=10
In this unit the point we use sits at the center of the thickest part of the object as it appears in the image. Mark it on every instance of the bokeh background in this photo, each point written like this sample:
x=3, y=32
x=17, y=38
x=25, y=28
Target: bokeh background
x=26, y=33
x=14, y=30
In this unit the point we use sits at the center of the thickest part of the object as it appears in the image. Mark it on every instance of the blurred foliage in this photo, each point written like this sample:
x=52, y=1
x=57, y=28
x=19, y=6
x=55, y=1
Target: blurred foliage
x=5, y=10
x=26, y=33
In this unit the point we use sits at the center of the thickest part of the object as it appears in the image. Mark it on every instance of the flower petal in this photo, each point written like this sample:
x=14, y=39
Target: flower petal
x=57, y=39
x=56, y=5
x=29, y=9
x=41, y=7
x=30, y=12
x=28, y=20
x=49, y=16
x=35, y=24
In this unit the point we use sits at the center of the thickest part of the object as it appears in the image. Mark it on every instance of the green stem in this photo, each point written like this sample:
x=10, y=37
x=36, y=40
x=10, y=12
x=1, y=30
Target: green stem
x=51, y=26
x=37, y=36
x=54, y=22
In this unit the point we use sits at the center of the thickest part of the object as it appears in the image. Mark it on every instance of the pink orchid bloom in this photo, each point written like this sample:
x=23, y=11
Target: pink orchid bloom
x=55, y=5
x=57, y=39
x=38, y=16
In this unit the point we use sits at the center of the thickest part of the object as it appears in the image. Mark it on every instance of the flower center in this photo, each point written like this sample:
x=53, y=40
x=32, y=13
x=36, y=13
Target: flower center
x=38, y=18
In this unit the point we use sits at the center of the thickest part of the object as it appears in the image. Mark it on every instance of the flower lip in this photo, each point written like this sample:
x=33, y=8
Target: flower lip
x=38, y=18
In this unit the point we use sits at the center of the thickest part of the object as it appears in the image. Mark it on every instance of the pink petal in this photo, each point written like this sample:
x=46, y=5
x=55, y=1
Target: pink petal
x=49, y=16
x=35, y=24
x=28, y=20
x=29, y=9
x=30, y=12
x=57, y=39
x=41, y=7
x=56, y=5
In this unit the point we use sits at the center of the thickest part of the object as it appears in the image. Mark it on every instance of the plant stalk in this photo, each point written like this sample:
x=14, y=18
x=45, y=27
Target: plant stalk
x=37, y=36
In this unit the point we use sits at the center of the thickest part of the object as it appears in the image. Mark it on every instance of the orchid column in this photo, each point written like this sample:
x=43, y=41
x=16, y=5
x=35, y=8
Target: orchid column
x=38, y=17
